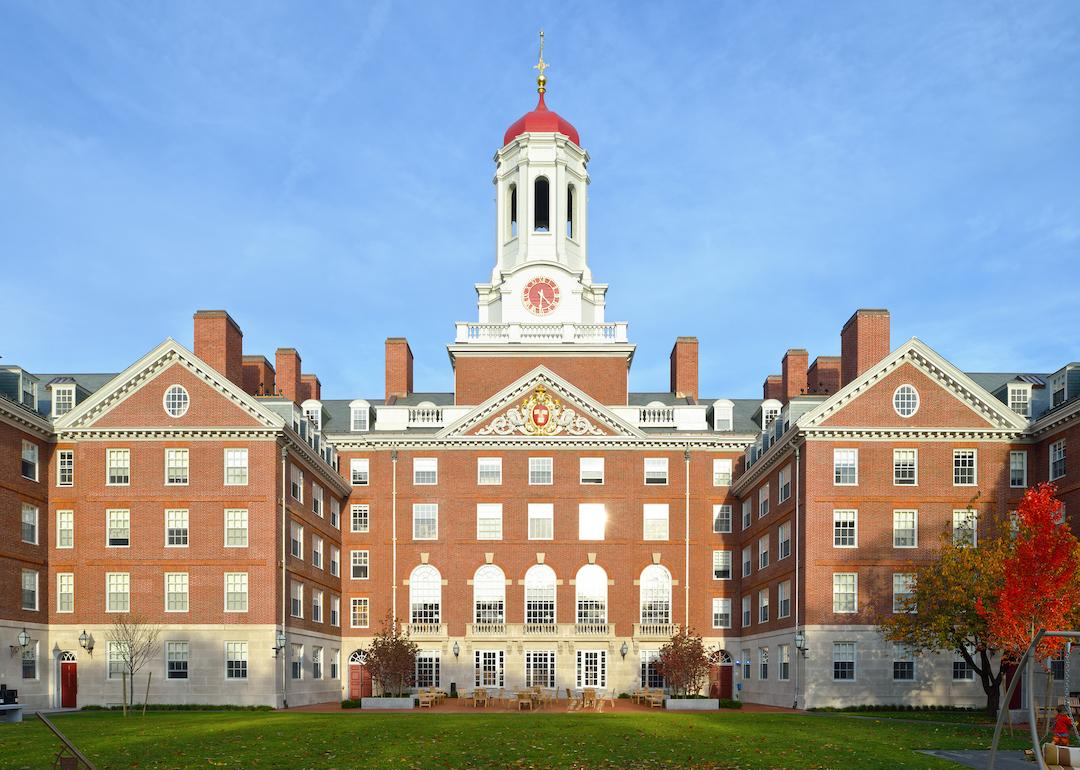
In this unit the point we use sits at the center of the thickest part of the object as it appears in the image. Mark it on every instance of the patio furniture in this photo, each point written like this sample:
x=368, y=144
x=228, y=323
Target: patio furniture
x=425, y=699
x=656, y=699
x=479, y=697
x=571, y=702
x=588, y=698
x=606, y=698
x=525, y=700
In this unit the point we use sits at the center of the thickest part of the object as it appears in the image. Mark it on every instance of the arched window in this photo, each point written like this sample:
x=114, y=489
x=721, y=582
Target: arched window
x=570, y=211
x=591, y=584
x=357, y=657
x=425, y=595
x=540, y=595
x=513, y=211
x=541, y=205
x=655, y=595
x=489, y=595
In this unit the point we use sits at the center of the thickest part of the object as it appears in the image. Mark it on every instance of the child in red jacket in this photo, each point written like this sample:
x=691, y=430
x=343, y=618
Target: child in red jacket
x=1062, y=723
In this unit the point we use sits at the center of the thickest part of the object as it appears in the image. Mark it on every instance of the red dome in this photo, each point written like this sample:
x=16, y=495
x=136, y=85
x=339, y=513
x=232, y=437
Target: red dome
x=541, y=120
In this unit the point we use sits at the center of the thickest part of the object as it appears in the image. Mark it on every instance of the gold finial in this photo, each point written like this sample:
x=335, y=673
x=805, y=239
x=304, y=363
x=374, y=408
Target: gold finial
x=541, y=80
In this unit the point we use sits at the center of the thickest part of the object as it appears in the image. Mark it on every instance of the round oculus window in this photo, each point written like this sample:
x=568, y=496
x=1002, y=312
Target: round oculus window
x=905, y=400
x=176, y=401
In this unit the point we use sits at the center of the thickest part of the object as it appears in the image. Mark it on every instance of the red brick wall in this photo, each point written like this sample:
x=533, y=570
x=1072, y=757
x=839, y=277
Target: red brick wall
x=684, y=367
x=258, y=376
x=773, y=387
x=15, y=555
x=288, y=373
x=399, y=367
x=603, y=378
x=864, y=341
x=793, y=373
x=823, y=376
x=219, y=342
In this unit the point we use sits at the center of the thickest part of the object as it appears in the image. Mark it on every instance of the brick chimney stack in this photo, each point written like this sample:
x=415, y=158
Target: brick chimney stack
x=864, y=341
x=684, y=368
x=258, y=376
x=219, y=342
x=310, y=387
x=793, y=377
x=399, y=368
x=823, y=376
x=773, y=388
x=288, y=374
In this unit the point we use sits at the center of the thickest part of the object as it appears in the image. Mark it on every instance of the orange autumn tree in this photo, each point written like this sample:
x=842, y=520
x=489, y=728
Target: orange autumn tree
x=1041, y=587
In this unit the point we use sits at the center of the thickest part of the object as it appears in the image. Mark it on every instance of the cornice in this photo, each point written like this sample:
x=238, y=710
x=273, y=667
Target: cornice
x=315, y=460
x=773, y=455
x=25, y=420
x=166, y=434
x=345, y=442
x=1053, y=422
x=914, y=434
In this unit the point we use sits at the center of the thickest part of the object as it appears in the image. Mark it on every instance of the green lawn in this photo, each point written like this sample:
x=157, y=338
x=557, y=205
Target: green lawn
x=520, y=741
x=959, y=717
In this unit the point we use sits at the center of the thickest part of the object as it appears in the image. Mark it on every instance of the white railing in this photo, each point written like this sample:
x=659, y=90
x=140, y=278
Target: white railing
x=655, y=630
x=552, y=333
x=540, y=629
x=427, y=630
x=487, y=629
x=656, y=416
x=425, y=416
x=593, y=629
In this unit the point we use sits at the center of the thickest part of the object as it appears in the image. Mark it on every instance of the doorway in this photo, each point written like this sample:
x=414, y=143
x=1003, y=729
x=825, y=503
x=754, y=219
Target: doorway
x=720, y=677
x=359, y=676
x=69, y=681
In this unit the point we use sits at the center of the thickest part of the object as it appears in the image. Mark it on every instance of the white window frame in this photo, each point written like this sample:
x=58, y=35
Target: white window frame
x=747, y=560
x=541, y=512
x=125, y=579
x=359, y=517
x=236, y=652
x=68, y=392
x=236, y=473
x=845, y=525
x=359, y=609
x=837, y=601
x=241, y=581
x=360, y=471
x=718, y=604
x=425, y=471
x=658, y=515
x=840, y=467
x=898, y=479
x=360, y=557
x=177, y=458
x=721, y=471
x=227, y=528
x=783, y=599
x=900, y=577
x=763, y=605
x=489, y=512
x=592, y=519
x=783, y=537
x=488, y=471
x=1019, y=396
x=61, y=579
x=722, y=512
x=1056, y=454
x=747, y=513
x=898, y=399
x=541, y=471
x=719, y=557
x=763, y=551
x=108, y=526
x=37, y=590
x=35, y=512
x=747, y=611
x=118, y=454
x=65, y=522
x=177, y=522
x=31, y=455
x=591, y=470
x=783, y=483
x=915, y=522
x=763, y=500
x=335, y=560
x=658, y=465
x=964, y=514
x=958, y=454
x=1022, y=455
x=182, y=585
x=854, y=660
x=420, y=515
x=65, y=461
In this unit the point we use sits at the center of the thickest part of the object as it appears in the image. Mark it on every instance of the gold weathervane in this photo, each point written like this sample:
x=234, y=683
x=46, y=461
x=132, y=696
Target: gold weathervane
x=541, y=80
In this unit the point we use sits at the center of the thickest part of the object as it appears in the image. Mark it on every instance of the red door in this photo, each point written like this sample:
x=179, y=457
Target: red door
x=720, y=682
x=69, y=685
x=359, y=681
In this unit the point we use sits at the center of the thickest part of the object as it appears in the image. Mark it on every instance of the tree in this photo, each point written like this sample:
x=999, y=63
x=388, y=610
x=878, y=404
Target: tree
x=684, y=662
x=136, y=643
x=391, y=658
x=943, y=610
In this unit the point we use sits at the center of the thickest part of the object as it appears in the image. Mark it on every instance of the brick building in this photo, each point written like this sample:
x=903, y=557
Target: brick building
x=541, y=524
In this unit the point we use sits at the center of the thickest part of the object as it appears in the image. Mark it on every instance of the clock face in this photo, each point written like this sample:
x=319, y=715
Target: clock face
x=541, y=296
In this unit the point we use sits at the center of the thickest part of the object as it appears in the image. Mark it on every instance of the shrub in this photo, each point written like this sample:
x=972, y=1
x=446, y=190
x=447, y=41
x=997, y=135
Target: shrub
x=728, y=703
x=684, y=662
x=350, y=703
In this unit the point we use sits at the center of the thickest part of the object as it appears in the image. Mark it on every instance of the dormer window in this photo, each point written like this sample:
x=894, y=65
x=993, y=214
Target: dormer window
x=723, y=414
x=63, y=400
x=313, y=411
x=541, y=205
x=359, y=415
x=1020, y=399
x=770, y=410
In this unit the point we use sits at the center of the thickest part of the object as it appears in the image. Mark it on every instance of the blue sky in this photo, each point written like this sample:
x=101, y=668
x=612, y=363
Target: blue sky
x=323, y=171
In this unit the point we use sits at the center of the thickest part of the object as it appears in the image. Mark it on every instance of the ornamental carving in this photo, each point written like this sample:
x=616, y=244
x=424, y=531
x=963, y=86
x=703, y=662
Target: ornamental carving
x=540, y=415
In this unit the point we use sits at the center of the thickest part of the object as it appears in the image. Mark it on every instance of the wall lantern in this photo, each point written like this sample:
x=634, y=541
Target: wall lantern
x=624, y=649
x=457, y=649
x=280, y=643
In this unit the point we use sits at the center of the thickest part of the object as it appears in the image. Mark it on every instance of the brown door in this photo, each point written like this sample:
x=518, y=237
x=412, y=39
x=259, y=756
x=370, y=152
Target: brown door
x=359, y=681
x=720, y=682
x=69, y=685
x=725, y=681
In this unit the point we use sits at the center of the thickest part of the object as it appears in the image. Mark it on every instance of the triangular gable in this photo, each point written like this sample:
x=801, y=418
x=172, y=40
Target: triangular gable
x=541, y=404
x=110, y=406
x=930, y=370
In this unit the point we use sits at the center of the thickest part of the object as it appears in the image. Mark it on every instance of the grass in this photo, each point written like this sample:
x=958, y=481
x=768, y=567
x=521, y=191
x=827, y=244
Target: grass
x=973, y=717
x=652, y=741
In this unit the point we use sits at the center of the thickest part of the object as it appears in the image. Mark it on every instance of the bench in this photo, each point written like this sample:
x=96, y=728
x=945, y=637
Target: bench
x=11, y=712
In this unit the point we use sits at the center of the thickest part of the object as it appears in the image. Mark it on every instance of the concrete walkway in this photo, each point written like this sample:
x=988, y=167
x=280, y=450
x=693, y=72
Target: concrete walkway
x=980, y=760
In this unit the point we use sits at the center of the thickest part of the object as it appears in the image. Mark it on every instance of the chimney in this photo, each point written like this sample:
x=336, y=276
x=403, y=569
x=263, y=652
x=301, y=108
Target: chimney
x=823, y=376
x=219, y=342
x=793, y=379
x=399, y=367
x=773, y=388
x=288, y=373
x=864, y=341
x=684, y=368
x=258, y=376
x=310, y=387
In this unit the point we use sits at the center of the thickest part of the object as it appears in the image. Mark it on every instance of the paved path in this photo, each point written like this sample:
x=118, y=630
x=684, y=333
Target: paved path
x=980, y=760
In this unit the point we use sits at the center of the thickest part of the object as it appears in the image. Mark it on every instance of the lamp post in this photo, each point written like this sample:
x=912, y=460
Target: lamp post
x=23, y=639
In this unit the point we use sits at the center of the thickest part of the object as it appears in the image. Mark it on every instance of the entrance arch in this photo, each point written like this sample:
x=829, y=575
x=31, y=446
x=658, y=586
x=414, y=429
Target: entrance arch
x=359, y=676
x=720, y=677
x=69, y=680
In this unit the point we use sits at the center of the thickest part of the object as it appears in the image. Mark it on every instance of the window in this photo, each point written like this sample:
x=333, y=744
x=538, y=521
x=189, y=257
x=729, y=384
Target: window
x=763, y=605
x=236, y=528
x=236, y=660
x=513, y=217
x=747, y=664
x=961, y=671
x=489, y=667
x=540, y=595
x=783, y=599
x=489, y=521
x=592, y=668
x=117, y=592
x=845, y=529
x=591, y=589
x=656, y=521
x=541, y=204
x=63, y=399
x=1020, y=399
x=570, y=211
x=176, y=401
x=30, y=660
x=763, y=551
x=964, y=467
x=721, y=472
x=425, y=521
x=65, y=529
x=784, y=482
x=721, y=612
x=360, y=517
x=358, y=470
x=763, y=501
x=1018, y=469
x=335, y=513
x=335, y=610
x=843, y=656
x=118, y=464
x=721, y=565
x=905, y=526
x=1057, y=459
x=489, y=596
x=783, y=541
x=747, y=561
x=316, y=500
x=540, y=470
x=845, y=592
x=29, y=589
x=425, y=595
x=592, y=518
x=29, y=524
x=65, y=592
x=903, y=663
x=360, y=612
x=721, y=519
x=427, y=668
x=176, y=592
x=965, y=527
x=747, y=617
x=784, y=659
x=335, y=561
x=118, y=521
x=176, y=528
x=358, y=417
x=591, y=470
x=236, y=592
x=176, y=660
x=296, y=483
x=655, y=595
x=763, y=663
x=747, y=513
x=540, y=668
x=297, y=658
x=296, y=540
x=489, y=471
x=316, y=551
x=906, y=400
x=65, y=468
x=425, y=471
x=359, y=562
x=316, y=606
x=905, y=467
x=236, y=467
x=176, y=467
x=656, y=470
x=117, y=653
x=296, y=597
x=650, y=671
x=845, y=467
x=335, y=664
x=768, y=416
x=29, y=466
x=903, y=592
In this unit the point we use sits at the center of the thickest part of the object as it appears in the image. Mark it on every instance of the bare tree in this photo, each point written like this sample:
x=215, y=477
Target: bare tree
x=136, y=643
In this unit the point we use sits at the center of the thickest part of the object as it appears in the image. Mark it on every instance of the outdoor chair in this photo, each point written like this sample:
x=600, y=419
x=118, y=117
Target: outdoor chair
x=656, y=699
x=479, y=697
x=588, y=698
x=571, y=702
x=425, y=698
x=525, y=700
